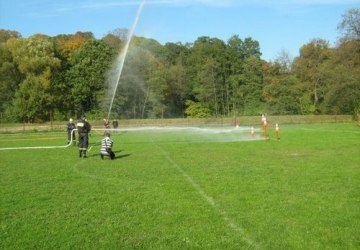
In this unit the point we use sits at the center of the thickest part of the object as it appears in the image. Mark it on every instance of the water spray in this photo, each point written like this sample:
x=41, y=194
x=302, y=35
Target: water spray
x=197, y=134
x=122, y=56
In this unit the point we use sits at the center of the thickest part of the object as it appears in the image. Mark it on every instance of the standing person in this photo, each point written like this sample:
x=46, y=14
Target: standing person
x=106, y=123
x=84, y=129
x=70, y=133
x=263, y=120
x=115, y=124
x=277, y=131
x=106, y=147
x=264, y=125
x=265, y=130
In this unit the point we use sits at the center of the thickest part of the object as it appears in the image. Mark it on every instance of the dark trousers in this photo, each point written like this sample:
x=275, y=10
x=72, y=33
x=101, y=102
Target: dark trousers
x=83, y=144
x=111, y=154
x=83, y=141
x=73, y=136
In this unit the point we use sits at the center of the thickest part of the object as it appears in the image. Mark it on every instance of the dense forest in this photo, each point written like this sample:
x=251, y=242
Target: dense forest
x=45, y=78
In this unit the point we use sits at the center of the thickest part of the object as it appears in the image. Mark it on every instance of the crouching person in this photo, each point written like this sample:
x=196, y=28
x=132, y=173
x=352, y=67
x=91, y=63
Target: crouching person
x=106, y=147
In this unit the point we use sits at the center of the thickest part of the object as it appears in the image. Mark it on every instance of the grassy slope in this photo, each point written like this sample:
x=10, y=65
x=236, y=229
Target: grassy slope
x=173, y=190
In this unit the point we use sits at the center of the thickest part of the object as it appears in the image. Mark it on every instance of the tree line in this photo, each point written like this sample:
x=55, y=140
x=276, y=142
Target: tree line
x=46, y=78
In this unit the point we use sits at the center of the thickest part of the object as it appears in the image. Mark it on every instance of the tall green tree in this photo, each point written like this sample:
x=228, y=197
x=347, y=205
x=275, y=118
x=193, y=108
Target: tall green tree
x=132, y=95
x=343, y=97
x=251, y=85
x=281, y=90
x=36, y=60
x=113, y=42
x=350, y=24
x=177, y=89
x=33, y=102
x=86, y=76
x=7, y=34
x=67, y=45
x=66, y=75
x=243, y=80
x=208, y=87
x=157, y=87
x=10, y=77
x=207, y=73
x=311, y=68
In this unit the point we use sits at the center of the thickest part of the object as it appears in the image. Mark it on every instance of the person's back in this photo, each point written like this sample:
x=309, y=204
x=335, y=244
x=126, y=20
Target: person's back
x=115, y=124
x=83, y=128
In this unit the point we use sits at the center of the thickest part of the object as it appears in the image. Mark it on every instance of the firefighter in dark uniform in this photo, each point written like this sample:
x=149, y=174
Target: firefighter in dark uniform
x=83, y=127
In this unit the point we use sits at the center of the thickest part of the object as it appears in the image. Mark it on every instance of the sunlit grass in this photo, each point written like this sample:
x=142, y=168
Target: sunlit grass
x=185, y=190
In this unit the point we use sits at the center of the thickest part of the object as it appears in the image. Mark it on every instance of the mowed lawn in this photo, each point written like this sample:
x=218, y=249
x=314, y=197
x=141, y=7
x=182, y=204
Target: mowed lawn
x=179, y=189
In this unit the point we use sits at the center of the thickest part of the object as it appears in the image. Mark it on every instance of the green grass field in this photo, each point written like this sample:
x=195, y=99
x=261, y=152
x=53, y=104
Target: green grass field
x=184, y=189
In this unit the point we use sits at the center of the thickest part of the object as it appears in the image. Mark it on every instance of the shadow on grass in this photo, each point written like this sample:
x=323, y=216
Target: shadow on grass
x=117, y=155
x=122, y=156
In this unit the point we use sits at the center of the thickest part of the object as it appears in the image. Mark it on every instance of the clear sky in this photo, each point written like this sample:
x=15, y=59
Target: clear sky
x=278, y=25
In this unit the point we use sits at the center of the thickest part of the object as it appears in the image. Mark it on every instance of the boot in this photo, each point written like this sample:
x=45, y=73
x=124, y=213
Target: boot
x=84, y=153
x=80, y=153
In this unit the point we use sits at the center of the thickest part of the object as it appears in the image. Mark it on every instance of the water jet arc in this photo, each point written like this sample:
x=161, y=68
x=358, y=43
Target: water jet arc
x=122, y=56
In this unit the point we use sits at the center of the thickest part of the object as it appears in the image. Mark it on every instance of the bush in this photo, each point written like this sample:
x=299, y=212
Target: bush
x=196, y=110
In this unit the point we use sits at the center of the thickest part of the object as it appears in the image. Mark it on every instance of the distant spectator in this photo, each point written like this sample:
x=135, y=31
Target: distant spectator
x=277, y=131
x=106, y=123
x=263, y=121
x=70, y=131
x=115, y=124
x=264, y=124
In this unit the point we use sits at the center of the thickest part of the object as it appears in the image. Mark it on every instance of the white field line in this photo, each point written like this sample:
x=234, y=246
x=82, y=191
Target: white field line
x=81, y=162
x=211, y=201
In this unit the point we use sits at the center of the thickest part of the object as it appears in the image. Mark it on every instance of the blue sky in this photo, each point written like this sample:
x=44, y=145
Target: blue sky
x=278, y=25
